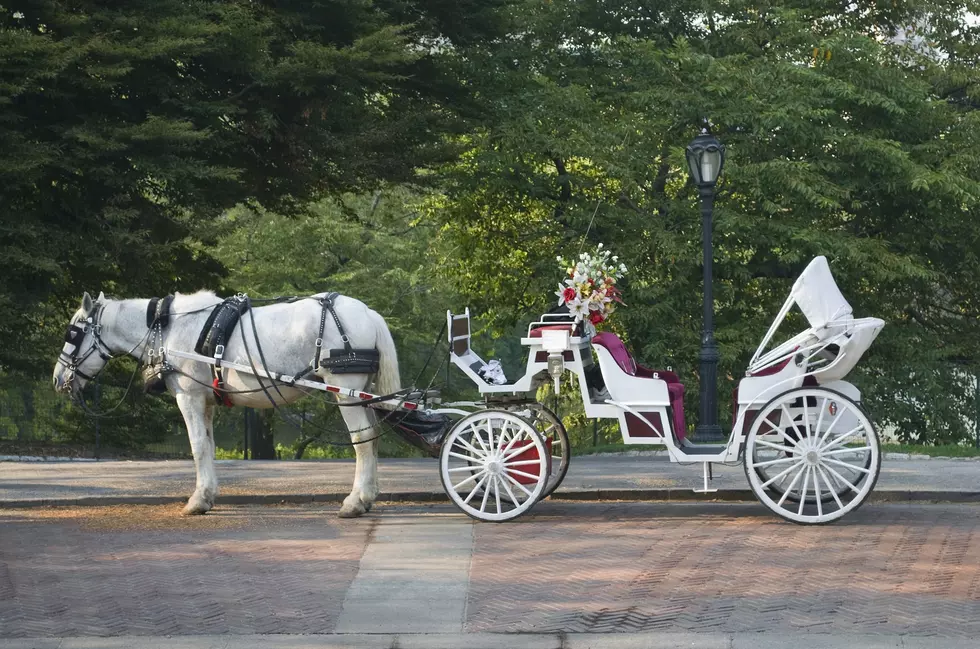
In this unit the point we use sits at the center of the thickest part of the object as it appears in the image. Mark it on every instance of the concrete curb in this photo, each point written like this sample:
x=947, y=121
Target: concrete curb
x=423, y=497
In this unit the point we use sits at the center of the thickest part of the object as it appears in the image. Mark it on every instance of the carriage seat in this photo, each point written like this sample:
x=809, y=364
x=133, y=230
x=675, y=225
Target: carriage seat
x=612, y=343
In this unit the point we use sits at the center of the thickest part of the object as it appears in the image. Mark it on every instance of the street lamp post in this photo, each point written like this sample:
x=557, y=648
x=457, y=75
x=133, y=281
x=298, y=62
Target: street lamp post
x=705, y=158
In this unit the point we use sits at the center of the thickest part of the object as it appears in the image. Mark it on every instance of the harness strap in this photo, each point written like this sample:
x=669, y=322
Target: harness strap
x=158, y=311
x=327, y=303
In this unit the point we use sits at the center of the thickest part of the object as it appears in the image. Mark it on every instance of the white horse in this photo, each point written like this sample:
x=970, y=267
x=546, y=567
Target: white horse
x=287, y=332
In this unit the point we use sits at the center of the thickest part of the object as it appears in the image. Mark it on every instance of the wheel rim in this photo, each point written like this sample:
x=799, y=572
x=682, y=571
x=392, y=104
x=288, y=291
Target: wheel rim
x=494, y=465
x=812, y=456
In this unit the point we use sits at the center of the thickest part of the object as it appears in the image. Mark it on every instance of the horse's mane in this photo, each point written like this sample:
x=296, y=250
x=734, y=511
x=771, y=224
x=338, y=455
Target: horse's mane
x=192, y=301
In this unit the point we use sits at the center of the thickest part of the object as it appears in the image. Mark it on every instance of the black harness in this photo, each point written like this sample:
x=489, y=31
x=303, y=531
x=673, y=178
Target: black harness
x=215, y=335
x=158, y=312
x=74, y=337
x=347, y=360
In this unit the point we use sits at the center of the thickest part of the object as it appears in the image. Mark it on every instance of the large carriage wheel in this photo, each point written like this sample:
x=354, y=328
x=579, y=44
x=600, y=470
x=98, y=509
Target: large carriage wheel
x=825, y=468
x=494, y=465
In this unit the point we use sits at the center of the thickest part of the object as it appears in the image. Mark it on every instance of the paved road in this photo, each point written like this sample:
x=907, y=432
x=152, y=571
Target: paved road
x=657, y=575
x=406, y=479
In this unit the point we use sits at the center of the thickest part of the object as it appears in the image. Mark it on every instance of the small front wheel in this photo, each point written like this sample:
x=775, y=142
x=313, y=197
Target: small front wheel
x=821, y=470
x=494, y=465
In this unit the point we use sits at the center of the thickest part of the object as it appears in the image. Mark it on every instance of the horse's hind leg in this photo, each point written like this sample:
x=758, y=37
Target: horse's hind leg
x=365, y=488
x=197, y=416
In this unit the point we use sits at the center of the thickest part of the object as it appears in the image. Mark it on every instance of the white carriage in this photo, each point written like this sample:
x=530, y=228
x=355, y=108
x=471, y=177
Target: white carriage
x=810, y=452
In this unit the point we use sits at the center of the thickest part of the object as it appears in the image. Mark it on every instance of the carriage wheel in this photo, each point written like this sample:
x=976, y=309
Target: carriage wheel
x=825, y=468
x=494, y=465
x=553, y=431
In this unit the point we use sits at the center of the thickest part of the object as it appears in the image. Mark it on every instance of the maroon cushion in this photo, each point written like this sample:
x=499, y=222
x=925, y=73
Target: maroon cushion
x=617, y=350
x=536, y=332
x=676, y=391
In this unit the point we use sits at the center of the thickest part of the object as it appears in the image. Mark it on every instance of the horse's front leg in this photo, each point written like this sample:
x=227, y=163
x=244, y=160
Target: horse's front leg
x=365, y=489
x=197, y=414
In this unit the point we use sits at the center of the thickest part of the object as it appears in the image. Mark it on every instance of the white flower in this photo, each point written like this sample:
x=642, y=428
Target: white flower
x=578, y=308
x=18, y=15
x=600, y=245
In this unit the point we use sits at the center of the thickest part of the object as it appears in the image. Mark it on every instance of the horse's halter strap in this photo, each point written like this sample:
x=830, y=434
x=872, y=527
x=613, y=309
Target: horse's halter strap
x=74, y=336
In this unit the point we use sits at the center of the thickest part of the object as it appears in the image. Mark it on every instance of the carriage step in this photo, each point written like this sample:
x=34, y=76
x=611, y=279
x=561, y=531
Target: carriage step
x=707, y=476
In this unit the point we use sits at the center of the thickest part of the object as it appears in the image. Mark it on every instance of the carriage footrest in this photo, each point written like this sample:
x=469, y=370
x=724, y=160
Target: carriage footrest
x=423, y=431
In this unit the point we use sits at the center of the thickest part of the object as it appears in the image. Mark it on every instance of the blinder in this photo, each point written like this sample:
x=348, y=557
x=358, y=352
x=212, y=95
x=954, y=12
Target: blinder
x=74, y=336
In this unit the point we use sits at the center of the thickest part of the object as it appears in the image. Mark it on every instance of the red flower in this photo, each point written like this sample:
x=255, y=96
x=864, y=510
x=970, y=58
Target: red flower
x=569, y=294
x=595, y=317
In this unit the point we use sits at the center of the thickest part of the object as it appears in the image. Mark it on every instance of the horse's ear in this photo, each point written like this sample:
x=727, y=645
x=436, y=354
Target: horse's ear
x=101, y=297
x=87, y=303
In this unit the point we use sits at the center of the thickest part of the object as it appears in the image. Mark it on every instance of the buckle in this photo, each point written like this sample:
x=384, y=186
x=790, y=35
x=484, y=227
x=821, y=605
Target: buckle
x=219, y=352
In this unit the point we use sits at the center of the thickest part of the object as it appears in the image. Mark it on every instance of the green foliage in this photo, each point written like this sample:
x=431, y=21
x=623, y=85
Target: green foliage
x=868, y=155
x=128, y=127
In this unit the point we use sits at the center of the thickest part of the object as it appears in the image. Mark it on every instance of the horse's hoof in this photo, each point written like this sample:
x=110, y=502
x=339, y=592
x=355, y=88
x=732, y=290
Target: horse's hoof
x=352, y=511
x=195, y=508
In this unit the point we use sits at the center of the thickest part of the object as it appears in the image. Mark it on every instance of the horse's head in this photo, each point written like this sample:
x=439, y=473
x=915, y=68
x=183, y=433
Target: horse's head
x=84, y=353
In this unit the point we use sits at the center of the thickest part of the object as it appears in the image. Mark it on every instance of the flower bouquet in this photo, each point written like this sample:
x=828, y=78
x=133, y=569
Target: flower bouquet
x=589, y=291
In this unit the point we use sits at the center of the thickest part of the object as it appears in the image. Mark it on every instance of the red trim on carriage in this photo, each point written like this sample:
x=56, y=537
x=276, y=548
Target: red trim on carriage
x=639, y=428
x=530, y=454
x=331, y=388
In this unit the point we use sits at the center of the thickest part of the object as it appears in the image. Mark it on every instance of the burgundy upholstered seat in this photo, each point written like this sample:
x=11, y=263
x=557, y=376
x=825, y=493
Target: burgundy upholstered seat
x=611, y=343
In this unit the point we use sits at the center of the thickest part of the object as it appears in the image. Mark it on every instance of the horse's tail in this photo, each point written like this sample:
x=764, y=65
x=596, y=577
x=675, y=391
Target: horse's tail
x=389, y=379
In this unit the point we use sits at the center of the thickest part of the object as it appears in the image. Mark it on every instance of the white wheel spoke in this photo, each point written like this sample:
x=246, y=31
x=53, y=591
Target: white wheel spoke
x=843, y=480
x=840, y=413
x=777, y=461
x=479, y=439
x=806, y=419
x=790, y=488
x=486, y=494
x=833, y=490
x=845, y=451
x=772, y=428
x=523, y=463
x=806, y=481
x=469, y=447
x=816, y=492
x=840, y=440
x=470, y=479
x=778, y=447
x=859, y=469
x=496, y=493
x=799, y=462
x=510, y=493
x=457, y=469
x=522, y=474
x=789, y=418
x=522, y=449
x=475, y=489
x=518, y=485
x=467, y=458
x=816, y=430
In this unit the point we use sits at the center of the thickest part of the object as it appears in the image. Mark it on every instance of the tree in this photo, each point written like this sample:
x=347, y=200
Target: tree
x=843, y=140
x=127, y=127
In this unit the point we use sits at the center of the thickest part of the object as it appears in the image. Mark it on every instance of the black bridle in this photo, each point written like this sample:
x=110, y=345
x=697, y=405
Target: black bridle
x=74, y=337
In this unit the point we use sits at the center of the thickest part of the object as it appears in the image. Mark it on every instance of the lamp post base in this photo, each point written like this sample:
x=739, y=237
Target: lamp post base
x=708, y=433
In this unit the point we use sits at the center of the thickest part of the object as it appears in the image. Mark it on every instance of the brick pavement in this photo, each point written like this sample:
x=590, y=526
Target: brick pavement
x=886, y=569
x=145, y=571
x=568, y=567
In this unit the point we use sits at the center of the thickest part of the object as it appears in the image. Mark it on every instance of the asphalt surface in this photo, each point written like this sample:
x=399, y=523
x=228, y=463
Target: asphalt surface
x=413, y=480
